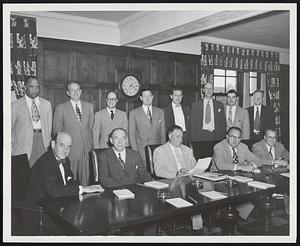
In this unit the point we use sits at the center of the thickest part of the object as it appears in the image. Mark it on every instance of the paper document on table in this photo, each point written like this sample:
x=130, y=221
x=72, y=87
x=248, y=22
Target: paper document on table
x=211, y=176
x=156, y=184
x=241, y=179
x=179, y=202
x=214, y=195
x=260, y=185
x=123, y=194
x=201, y=166
x=285, y=174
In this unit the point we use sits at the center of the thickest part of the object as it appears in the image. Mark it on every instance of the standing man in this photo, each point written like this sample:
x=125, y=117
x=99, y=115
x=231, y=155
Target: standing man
x=208, y=122
x=261, y=117
x=270, y=151
x=231, y=154
x=31, y=119
x=237, y=116
x=108, y=119
x=178, y=114
x=146, y=124
x=76, y=117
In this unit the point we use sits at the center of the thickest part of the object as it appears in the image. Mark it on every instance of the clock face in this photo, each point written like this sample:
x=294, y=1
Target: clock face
x=130, y=86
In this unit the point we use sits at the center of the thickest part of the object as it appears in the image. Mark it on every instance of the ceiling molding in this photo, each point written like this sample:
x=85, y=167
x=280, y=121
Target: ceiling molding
x=134, y=17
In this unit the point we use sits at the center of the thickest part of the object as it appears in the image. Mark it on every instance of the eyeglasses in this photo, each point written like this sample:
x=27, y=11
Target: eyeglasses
x=234, y=137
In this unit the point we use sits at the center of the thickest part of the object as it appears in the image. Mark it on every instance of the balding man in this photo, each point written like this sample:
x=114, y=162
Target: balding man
x=208, y=122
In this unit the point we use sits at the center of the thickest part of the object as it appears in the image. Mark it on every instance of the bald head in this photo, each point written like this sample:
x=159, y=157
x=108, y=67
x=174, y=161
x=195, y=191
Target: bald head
x=61, y=145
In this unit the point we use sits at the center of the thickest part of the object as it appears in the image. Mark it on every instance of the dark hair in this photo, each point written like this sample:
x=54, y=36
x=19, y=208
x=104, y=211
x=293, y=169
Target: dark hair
x=258, y=90
x=109, y=91
x=175, y=88
x=232, y=91
x=146, y=89
x=234, y=128
x=115, y=129
x=28, y=78
x=172, y=128
x=269, y=129
x=72, y=82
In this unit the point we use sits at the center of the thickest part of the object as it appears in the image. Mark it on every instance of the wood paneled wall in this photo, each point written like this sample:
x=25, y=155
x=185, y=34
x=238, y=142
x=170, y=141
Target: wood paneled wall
x=101, y=67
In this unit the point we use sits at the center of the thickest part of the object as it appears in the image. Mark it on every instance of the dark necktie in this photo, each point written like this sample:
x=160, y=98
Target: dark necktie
x=257, y=120
x=79, y=115
x=122, y=162
x=149, y=115
x=35, y=115
x=207, y=113
x=270, y=154
x=235, y=159
x=230, y=116
x=112, y=114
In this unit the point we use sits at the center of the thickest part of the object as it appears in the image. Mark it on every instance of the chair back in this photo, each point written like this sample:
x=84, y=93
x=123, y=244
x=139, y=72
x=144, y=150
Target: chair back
x=94, y=157
x=20, y=171
x=149, y=149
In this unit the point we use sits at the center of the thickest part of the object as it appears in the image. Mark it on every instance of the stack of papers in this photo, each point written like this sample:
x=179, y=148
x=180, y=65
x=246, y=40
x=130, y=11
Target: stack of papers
x=285, y=174
x=214, y=195
x=211, y=176
x=156, y=185
x=123, y=194
x=201, y=166
x=260, y=185
x=241, y=179
x=179, y=202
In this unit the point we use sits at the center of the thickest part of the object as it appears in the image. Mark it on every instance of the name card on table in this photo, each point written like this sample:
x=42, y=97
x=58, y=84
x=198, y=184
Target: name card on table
x=214, y=195
x=179, y=202
x=156, y=185
x=260, y=185
x=124, y=194
x=241, y=179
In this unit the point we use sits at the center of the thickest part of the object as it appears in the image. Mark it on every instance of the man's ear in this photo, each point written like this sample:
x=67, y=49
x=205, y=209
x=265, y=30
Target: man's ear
x=52, y=144
x=68, y=93
x=141, y=98
x=110, y=140
x=171, y=96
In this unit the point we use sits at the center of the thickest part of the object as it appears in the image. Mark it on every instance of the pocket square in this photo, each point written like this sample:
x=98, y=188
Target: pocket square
x=68, y=178
x=219, y=110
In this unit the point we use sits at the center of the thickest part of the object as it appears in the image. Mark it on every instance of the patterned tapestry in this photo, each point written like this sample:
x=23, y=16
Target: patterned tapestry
x=23, y=51
x=217, y=56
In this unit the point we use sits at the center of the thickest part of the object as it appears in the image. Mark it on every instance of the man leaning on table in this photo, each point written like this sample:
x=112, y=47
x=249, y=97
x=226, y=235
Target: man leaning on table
x=270, y=151
x=231, y=154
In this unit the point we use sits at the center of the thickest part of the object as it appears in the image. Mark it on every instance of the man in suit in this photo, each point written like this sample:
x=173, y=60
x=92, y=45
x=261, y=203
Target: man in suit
x=208, y=122
x=108, y=119
x=146, y=124
x=178, y=114
x=231, y=154
x=235, y=115
x=120, y=166
x=76, y=117
x=31, y=122
x=173, y=159
x=260, y=116
x=270, y=151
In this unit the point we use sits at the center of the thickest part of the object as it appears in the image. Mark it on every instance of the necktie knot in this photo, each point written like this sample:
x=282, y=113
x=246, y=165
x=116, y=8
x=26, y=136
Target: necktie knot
x=270, y=153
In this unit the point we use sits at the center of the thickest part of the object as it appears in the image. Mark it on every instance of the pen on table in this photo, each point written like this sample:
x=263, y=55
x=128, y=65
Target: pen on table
x=193, y=199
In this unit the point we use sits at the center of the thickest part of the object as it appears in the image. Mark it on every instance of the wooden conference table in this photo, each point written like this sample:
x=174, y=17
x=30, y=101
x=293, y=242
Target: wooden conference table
x=103, y=213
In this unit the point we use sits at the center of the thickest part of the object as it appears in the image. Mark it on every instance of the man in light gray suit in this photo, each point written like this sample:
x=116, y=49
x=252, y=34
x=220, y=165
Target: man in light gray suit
x=31, y=122
x=76, y=117
x=237, y=116
x=146, y=124
x=108, y=119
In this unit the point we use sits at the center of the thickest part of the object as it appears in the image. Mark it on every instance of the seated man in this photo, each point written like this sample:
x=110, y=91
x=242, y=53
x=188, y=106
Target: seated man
x=119, y=165
x=270, y=151
x=173, y=158
x=231, y=154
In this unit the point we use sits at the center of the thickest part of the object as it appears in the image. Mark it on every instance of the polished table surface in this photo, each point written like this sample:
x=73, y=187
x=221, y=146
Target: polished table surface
x=101, y=213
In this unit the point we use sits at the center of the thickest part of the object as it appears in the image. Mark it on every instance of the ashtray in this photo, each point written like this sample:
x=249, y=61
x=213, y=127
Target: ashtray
x=230, y=182
x=198, y=183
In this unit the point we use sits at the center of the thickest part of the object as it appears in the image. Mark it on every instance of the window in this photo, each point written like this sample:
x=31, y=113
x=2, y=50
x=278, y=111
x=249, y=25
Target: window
x=253, y=82
x=224, y=80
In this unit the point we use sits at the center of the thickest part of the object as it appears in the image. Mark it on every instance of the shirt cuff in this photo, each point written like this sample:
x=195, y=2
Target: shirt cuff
x=80, y=189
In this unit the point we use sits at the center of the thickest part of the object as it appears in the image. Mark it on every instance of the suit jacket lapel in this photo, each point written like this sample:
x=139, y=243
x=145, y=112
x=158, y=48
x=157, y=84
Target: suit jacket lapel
x=72, y=112
x=145, y=118
x=170, y=109
x=25, y=109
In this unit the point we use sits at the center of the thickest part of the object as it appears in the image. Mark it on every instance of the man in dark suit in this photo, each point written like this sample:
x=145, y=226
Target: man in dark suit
x=208, y=122
x=120, y=166
x=51, y=175
x=260, y=116
x=178, y=114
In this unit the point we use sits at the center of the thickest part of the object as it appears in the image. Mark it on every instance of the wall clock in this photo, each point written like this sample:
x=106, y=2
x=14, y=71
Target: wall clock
x=130, y=86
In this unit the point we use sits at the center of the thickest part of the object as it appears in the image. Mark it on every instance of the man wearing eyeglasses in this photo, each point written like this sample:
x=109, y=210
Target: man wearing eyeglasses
x=270, y=151
x=231, y=154
x=108, y=119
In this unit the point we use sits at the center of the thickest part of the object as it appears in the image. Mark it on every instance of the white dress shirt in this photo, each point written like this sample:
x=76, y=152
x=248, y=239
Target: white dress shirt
x=180, y=152
x=211, y=125
x=35, y=125
x=179, y=116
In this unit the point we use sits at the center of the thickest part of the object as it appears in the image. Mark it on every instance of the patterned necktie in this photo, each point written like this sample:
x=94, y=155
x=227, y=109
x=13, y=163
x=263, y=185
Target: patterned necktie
x=257, y=120
x=35, y=115
x=230, y=116
x=271, y=154
x=79, y=115
x=207, y=113
x=149, y=115
x=235, y=159
x=122, y=162
x=112, y=114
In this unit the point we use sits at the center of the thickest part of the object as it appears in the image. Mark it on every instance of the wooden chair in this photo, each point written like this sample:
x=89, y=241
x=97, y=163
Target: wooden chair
x=149, y=149
x=93, y=157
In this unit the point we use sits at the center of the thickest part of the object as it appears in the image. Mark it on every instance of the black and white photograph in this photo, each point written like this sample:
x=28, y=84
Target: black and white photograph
x=143, y=122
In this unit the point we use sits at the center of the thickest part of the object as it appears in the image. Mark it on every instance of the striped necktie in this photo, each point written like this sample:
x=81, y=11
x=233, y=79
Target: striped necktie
x=79, y=115
x=235, y=159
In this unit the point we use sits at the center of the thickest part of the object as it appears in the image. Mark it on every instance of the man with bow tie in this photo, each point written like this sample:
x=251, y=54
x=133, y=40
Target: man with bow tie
x=178, y=114
x=31, y=122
